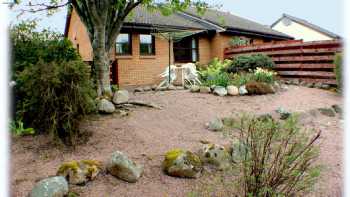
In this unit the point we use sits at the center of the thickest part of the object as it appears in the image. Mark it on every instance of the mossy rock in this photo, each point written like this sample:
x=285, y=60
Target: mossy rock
x=79, y=172
x=216, y=155
x=180, y=163
x=327, y=112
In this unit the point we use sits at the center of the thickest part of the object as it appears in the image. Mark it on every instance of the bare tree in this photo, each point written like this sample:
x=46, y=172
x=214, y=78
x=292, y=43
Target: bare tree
x=103, y=20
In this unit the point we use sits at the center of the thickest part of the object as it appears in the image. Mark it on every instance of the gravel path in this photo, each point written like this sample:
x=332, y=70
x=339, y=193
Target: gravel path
x=147, y=134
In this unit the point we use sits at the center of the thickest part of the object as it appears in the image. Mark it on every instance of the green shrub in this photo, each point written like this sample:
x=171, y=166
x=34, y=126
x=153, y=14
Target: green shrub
x=219, y=79
x=338, y=61
x=242, y=78
x=264, y=75
x=258, y=88
x=53, y=97
x=17, y=128
x=275, y=158
x=250, y=62
x=29, y=46
x=215, y=67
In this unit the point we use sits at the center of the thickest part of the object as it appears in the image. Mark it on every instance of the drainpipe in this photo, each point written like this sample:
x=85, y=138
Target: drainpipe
x=169, y=42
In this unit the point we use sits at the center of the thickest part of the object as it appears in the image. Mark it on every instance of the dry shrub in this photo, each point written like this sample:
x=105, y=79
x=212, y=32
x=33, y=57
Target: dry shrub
x=275, y=158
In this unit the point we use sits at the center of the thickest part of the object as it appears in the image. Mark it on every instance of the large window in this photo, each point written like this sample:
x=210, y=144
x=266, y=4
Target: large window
x=147, y=46
x=186, y=50
x=123, y=44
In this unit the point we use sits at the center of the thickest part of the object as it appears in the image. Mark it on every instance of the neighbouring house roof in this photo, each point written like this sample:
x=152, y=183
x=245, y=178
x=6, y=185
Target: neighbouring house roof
x=307, y=24
x=212, y=20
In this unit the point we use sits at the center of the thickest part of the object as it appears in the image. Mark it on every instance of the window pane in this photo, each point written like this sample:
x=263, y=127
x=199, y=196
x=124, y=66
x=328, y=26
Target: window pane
x=123, y=45
x=145, y=39
x=123, y=38
x=146, y=44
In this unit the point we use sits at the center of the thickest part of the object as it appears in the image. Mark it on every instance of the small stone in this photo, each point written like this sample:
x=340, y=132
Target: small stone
x=303, y=83
x=154, y=87
x=147, y=88
x=216, y=155
x=212, y=87
x=50, y=187
x=232, y=90
x=120, y=96
x=220, y=91
x=105, y=106
x=243, y=90
x=284, y=114
x=318, y=85
x=122, y=167
x=139, y=89
x=327, y=112
x=194, y=88
x=216, y=124
x=180, y=163
x=310, y=85
x=204, y=89
x=337, y=109
x=325, y=86
x=295, y=82
x=180, y=88
x=171, y=87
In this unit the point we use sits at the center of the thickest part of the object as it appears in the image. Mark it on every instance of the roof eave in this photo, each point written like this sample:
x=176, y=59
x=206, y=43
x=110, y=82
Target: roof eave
x=259, y=34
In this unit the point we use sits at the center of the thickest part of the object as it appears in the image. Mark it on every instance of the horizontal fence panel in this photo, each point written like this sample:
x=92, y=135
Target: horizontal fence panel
x=308, y=61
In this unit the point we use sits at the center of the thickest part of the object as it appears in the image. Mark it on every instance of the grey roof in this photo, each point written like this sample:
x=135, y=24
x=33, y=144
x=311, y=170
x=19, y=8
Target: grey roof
x=308, y=24
x=228, y=20
x=142, y=15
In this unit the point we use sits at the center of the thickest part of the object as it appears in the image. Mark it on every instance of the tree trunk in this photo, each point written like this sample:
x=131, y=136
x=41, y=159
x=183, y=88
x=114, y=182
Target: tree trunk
x=101, y=63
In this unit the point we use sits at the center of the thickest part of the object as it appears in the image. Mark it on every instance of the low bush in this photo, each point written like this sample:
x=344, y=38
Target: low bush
x=275, y=158
x=242, y=78
x=54, y=97
x=338, y=70
x=219, y=79
x=258, y=88
x=250, y=63
x=237, y=41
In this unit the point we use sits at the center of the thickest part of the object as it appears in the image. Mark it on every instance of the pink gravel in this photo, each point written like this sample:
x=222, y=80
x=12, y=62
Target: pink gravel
x=146, y=134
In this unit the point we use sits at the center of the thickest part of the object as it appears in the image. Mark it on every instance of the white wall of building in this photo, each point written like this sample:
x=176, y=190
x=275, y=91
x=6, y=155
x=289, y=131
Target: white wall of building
x=299, y=31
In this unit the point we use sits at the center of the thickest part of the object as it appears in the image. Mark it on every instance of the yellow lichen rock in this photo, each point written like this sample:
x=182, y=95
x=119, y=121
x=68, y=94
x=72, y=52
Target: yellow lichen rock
x=79, y=172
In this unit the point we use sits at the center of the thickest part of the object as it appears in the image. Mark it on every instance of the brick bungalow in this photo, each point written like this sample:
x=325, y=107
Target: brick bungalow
x=140, y=55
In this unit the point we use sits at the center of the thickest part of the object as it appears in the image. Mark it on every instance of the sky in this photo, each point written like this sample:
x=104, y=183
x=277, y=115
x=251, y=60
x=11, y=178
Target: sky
x=327, y=14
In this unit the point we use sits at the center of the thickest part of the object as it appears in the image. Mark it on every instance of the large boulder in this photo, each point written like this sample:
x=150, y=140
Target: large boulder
x=180, y=163
x=50, y=187
x=220, y=91
x=242, y=90
x=259, y=88
x=232, y=90
x=204, y=89
x=216, y=155
x=105, y=106
x=120, y=96
x=122, y=167
x=79, y=172
x=215, y=125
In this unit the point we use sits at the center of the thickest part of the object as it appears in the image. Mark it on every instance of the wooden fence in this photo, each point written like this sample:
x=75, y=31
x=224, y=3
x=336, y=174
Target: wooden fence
x=311, y=62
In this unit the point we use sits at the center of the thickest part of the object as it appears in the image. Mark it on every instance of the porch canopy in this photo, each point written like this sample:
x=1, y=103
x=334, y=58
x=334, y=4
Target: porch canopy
x=173, y=35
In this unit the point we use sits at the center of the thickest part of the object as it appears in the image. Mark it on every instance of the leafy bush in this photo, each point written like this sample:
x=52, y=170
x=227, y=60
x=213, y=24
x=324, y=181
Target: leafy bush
x=55, y=96
x=275, y=158
x=219, y=79
x=214, y=68
x=250, y=62
x=339, y=70
x=242, y=78
x=53, y=90
x=264, y=75
x=258, y=88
